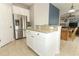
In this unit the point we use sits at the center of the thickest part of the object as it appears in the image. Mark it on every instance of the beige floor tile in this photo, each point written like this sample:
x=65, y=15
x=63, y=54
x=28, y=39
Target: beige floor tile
x=16, y=48
x=70, y=48
x=20, y=48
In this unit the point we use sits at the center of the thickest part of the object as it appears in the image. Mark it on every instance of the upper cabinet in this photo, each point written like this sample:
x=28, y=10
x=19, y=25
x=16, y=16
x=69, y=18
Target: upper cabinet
x=53, y=15
x=21, y=11
x=44, y=14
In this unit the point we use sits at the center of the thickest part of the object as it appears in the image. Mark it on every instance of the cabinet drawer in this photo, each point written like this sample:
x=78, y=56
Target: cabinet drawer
x=41, y=35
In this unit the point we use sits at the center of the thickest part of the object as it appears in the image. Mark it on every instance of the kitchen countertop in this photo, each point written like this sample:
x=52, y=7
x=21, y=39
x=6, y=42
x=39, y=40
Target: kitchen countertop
x=44, y=29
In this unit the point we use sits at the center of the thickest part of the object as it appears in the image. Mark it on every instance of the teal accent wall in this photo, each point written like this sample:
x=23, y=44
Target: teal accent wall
x=53, y=15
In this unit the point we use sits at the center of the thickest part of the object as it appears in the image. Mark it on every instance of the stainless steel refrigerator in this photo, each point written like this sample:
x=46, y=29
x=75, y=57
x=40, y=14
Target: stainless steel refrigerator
x=19, y=22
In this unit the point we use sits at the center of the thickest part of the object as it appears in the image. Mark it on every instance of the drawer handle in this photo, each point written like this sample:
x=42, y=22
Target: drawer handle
x=37, y=33
x=28, y=31
x=32, y=36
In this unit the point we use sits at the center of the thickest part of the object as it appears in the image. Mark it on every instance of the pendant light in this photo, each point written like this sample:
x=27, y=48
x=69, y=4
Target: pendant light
x=72, y=9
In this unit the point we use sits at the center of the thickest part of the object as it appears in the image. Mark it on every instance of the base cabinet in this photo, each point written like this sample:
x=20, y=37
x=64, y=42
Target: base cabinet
x=44, y=44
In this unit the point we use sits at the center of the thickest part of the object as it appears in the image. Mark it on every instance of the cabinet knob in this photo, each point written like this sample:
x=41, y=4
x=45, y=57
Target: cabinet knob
x=37, y=33
x=28, y=31
x=32, y=36
x=10, y=26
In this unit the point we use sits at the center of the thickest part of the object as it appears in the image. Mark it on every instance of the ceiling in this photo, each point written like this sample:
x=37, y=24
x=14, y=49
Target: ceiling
x=64, y=7
x=23, y=5
x=28, y=4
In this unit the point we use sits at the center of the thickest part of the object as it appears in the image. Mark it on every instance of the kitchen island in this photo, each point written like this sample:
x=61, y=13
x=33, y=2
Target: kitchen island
x=45, y=40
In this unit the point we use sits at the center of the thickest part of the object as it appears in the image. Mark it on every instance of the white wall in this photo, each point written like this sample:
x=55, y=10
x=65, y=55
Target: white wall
x=6, y=24
x=21, y=11
x=40, y=13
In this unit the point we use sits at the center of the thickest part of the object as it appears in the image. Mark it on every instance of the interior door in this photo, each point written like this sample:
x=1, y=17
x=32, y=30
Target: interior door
x=6, y=28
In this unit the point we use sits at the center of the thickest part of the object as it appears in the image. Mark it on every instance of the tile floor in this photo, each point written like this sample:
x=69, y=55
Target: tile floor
x=70, y=48
x=19, y=48
x=16, y=48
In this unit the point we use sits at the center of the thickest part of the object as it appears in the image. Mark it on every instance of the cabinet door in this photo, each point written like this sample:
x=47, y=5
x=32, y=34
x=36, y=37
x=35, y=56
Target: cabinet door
x=30, y=39
x=39, y=44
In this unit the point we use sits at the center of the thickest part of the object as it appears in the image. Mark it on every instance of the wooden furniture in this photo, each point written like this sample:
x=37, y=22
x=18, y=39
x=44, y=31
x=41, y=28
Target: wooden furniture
x=68, y=33
x=77, y=32
x=74, y=33
x=64, y=33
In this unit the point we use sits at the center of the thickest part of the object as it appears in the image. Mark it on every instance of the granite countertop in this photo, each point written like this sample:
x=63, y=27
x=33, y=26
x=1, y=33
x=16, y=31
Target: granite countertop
x=44, y=29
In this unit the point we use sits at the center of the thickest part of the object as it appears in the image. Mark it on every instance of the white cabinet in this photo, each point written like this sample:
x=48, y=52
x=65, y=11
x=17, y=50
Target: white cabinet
x=39, y=43
x=30, y=38
x=21, y=11
x=44, y=44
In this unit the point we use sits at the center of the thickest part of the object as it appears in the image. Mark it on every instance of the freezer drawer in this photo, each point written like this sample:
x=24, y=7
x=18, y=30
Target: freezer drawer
x=19, y=34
